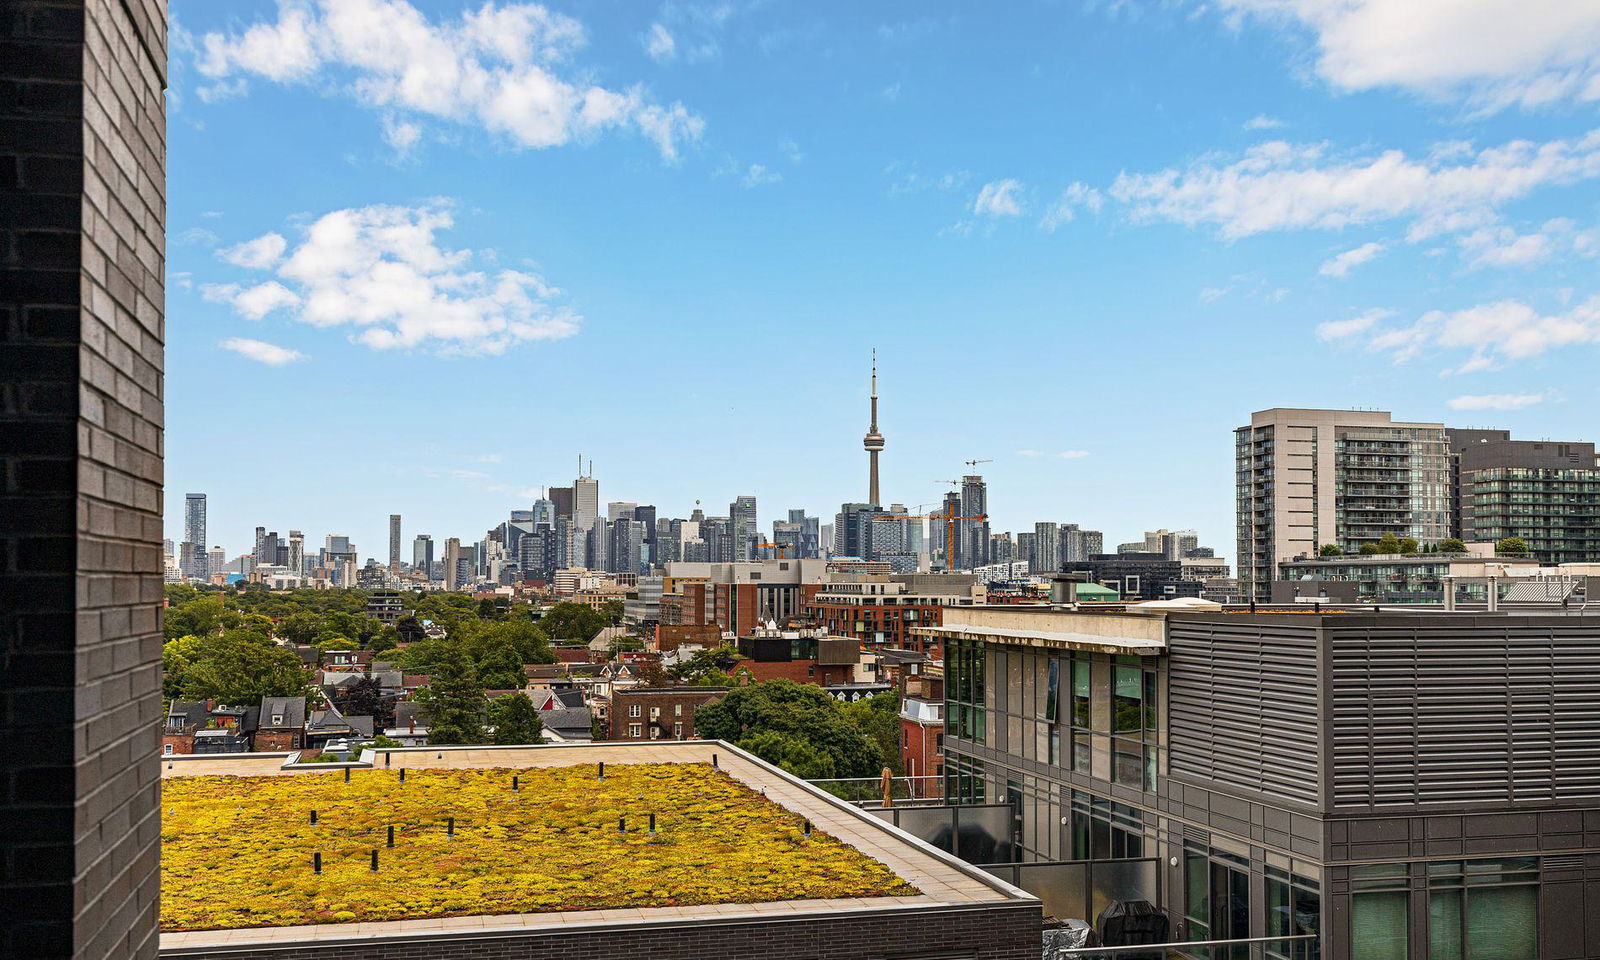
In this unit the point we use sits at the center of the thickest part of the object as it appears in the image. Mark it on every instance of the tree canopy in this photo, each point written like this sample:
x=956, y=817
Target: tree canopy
x=797, y=726
x=1452, y=545
x=1512, y=547
x=515, y=720
x=453, y=700
x=235, y=667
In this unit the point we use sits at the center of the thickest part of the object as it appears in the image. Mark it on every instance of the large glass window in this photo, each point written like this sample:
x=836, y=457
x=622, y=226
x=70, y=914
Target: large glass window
x=1483, y=909
x=1127, y=699
x=1080, y=694
x=1294, y=908
x=1380, y=912
x=1052, y=689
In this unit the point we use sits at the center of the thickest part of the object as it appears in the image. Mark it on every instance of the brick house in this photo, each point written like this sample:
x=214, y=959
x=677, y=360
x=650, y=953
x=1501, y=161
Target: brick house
x=657, y=713
x=282, y=724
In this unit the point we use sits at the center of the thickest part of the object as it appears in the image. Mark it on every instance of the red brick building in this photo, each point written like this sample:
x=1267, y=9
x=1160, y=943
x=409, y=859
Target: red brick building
x=922, y=733
x=881, y=614
x=658, y=713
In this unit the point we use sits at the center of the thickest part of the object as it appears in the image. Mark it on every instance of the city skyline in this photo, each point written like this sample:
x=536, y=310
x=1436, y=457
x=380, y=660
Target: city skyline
x=1087, y=290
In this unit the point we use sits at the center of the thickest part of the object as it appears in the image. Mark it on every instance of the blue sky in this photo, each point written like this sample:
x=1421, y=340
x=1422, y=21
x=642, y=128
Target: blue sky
x=422, y=255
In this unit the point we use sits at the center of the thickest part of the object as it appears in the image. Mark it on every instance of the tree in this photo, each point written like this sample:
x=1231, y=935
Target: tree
x=301, y=627
x=1511, y=547
x=453, y=699
x=499, y=665
x=365, y=698
x=515, y=720
x=803, y=722
x=1330, y=550
x=1452, y=545
x=652, y=674
x=1370, y=550
x=878, y=718
x=572, y=621
x=1388, y=543
x=236, y=668
x=199, y=617
x=1409, y=546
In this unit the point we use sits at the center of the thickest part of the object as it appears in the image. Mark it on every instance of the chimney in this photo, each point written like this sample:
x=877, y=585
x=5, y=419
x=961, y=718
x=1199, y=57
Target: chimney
x=413, y=725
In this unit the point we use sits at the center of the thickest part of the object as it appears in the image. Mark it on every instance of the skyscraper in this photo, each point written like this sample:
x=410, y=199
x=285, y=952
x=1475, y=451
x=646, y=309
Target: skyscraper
x=873, y=441
x=1046, y=548
x=742, y=514
x=194, y=533
x=561, y=498
x=974, y=533
x=457, y=564
x=394, y=541
x=646, y=514
x=1306, y=478
x=422, y=554
x=297, y=552
x=585, y=502
x=194, y=519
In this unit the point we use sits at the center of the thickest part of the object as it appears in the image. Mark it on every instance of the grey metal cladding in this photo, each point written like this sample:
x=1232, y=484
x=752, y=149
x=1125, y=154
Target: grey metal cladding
x=1243, y=704
x=1464, y=710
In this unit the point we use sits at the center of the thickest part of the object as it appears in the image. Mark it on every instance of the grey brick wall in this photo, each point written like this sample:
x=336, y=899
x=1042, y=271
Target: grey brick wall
x=999, y=932
x=82, y=209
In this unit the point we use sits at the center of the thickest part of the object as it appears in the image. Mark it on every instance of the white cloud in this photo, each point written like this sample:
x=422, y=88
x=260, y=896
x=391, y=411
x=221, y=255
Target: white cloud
x=500, y=68
x=258, y=254
x=1341, y=329
x=759, y=175
x=1496, y=401
x=1282, y=186
x=1262, y=122
x=1030, y=453
x=380, y=271
x=1488, y=53
x=262, y=352
x=1065, y=209
x=1503, y=246
x=998, y=198
x=658, y=43
x=1073, y=454
x=1341, y=265
x=402, y=135
x=1213, y=294
x=263, y=298
x=1494, y=333
x=791, y=150
x=488, y=458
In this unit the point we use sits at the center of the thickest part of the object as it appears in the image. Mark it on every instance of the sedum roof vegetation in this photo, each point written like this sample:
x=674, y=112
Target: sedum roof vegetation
x=238, y=851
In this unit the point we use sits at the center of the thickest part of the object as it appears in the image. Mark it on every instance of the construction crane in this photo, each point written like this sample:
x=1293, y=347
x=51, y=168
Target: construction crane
x=973, y=464
x=949, y=517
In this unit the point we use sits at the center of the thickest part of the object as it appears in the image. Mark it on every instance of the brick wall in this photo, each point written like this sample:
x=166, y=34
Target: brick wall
x=622, y=702
x=274, y=741
x=1001, y=932
x=82, y=160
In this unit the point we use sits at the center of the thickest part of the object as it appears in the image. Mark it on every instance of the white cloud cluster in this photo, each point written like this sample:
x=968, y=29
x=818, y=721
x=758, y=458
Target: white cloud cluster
x=1502, y=246
x=497, y=67
x=999, y=198
x=1495, y=401
x=261, y=351
x=1340, y=265
x=1487, y=53
x=380, y=271
x=758, y=175
x=1493, y=332
x=1282, y=186
x=1075, y=197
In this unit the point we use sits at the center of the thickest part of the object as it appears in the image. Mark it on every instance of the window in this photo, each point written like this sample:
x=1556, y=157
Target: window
x=1051, y=690
x=1080, y=694
x=634, y=710
x=1294, y=908
x=677, y=731
x=677, y=710
x=1483, y=909
x=168, y=749
x=655, y=713
x=1380, y=912
x=635, y=730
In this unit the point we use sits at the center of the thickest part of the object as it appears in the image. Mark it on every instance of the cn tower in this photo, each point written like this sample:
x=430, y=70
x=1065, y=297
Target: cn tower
x=873, y=441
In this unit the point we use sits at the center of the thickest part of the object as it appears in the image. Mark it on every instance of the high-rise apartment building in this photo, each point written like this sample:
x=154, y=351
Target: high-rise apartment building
x=394, y=541
x=297, y=552
x=194, y=519
x=422, y=554
x=1046, y=548
x=974, y=533
x=1546, y=493
x=1347, y=477
x=742, y=513
x=457, y=564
